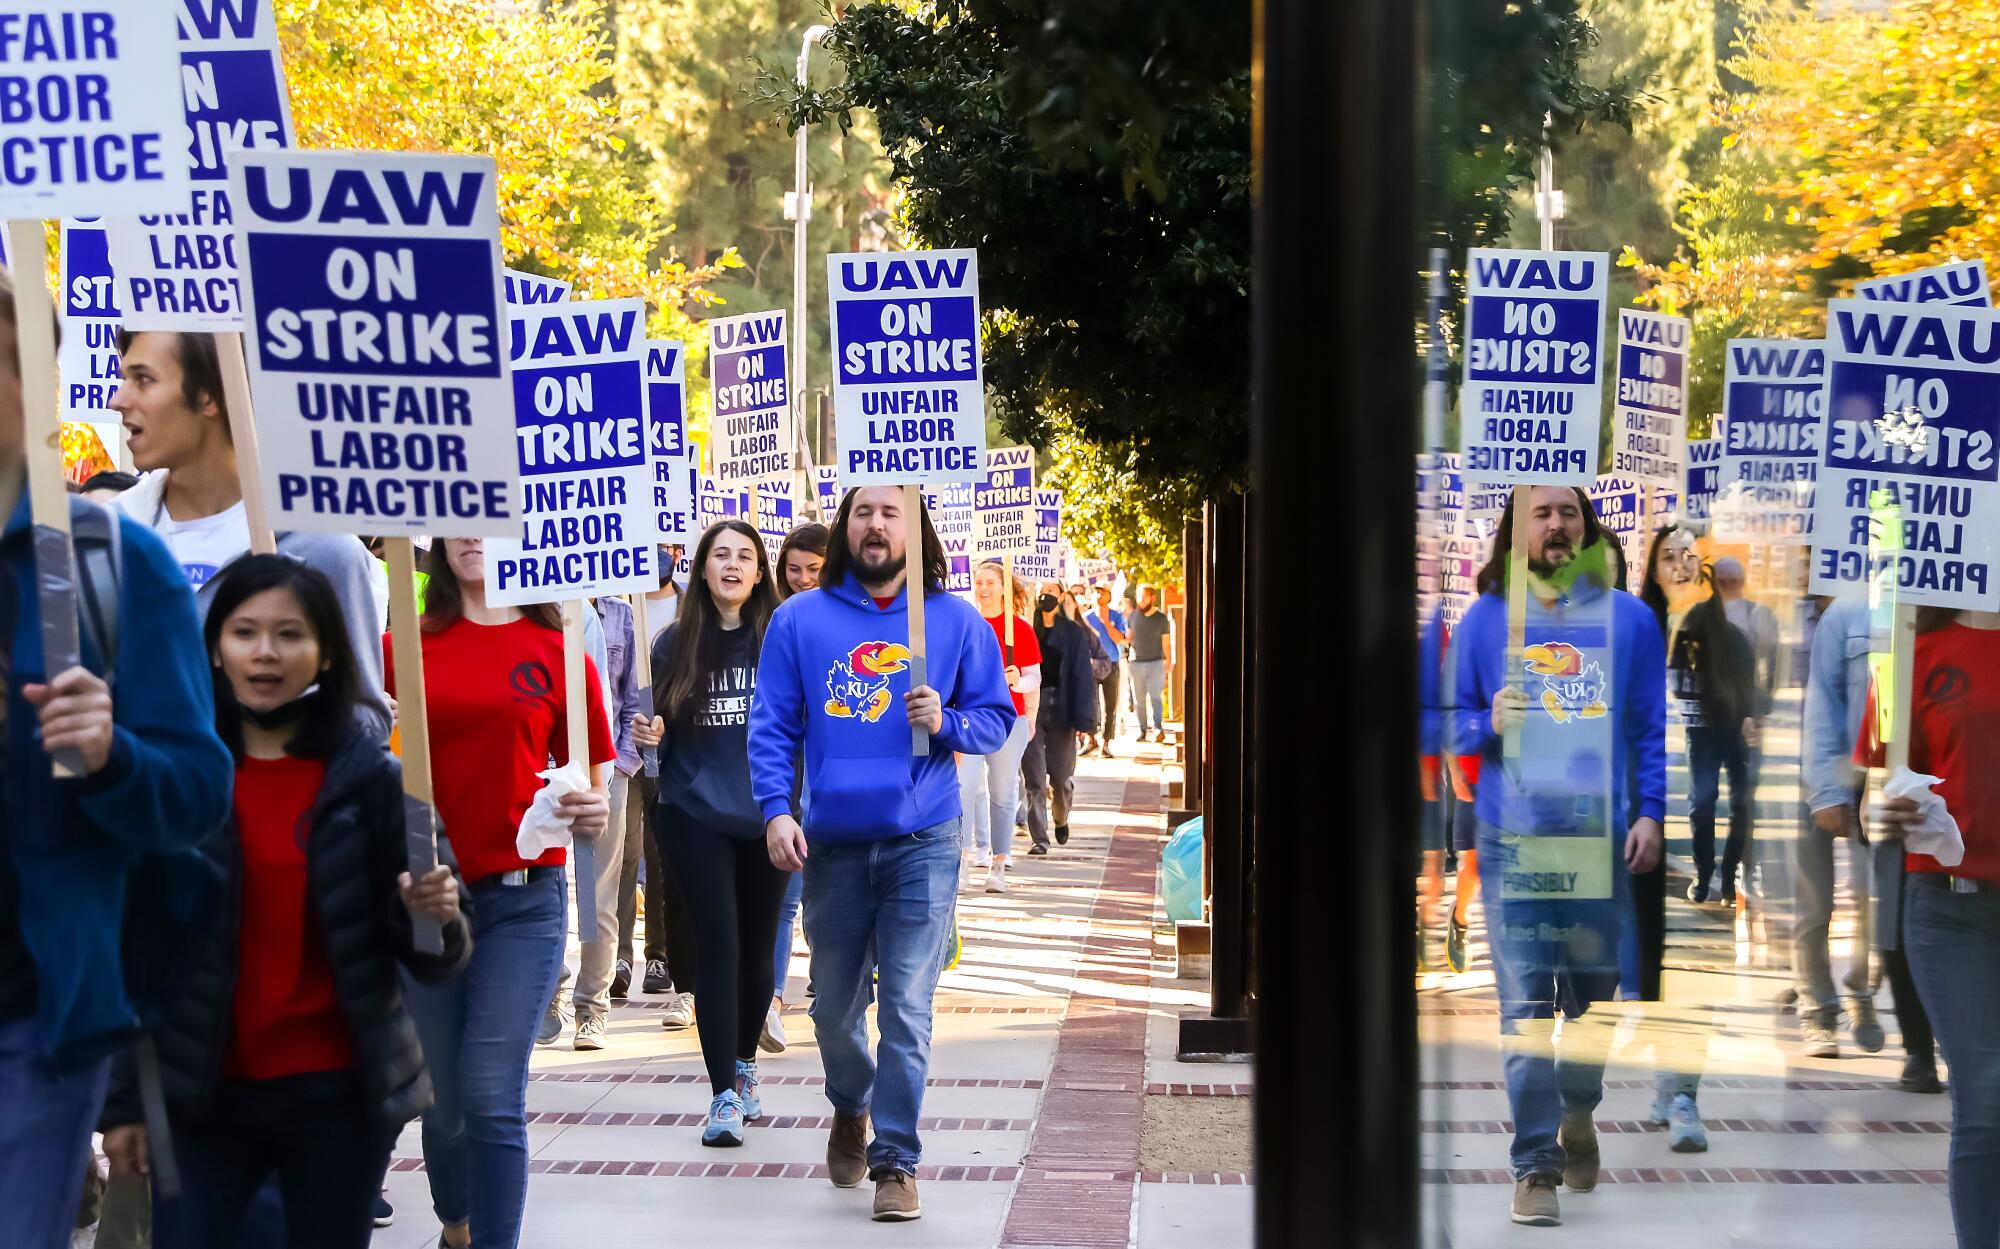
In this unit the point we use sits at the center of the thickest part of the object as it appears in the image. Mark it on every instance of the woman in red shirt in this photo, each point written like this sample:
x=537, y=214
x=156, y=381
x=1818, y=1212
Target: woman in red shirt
x=1951, y=920
x=989, y=786
x=498, y=716
x=288, y=1052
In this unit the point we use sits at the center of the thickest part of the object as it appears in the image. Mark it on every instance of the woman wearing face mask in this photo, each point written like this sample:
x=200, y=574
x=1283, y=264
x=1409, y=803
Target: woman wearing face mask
x=711, y=827
x=1067, y=706
x=290, y=1053
x=798, y=563
x=990, y=785
x=498, y=715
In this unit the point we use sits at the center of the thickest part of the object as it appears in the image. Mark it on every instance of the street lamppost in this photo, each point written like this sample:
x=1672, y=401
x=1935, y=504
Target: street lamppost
x=801, y=207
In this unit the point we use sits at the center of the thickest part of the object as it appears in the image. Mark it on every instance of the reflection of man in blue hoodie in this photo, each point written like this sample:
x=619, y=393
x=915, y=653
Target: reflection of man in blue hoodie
x=1586, y=704
x=155, y=781
x=880, y=844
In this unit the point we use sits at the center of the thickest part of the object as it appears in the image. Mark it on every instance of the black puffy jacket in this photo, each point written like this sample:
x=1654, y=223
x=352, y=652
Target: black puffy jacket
x=355, y=851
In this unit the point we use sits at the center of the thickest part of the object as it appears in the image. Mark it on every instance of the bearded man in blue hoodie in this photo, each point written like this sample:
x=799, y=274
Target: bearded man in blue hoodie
x=880, y=841
x=1572, y=793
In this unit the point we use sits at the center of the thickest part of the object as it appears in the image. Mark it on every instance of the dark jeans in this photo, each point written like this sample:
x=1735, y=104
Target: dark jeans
x=669, y=933
x=1107, y=690
x=1711, y=751
x=312, y=1132
x=1049, y=768
x=1953, y=943
x=733, y=894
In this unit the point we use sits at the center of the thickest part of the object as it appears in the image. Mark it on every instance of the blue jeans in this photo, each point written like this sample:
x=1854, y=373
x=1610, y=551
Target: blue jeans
x=1149, y=693
x=788, y=911
x=1712, y=751
x=478, y=1030
x=880, y=906
x=1547, y=955
x=1953, y=943
x=44, y=1137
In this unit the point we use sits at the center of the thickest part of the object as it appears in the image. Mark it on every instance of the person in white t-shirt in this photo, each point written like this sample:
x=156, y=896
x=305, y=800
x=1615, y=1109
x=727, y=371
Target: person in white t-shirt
x=177, y=429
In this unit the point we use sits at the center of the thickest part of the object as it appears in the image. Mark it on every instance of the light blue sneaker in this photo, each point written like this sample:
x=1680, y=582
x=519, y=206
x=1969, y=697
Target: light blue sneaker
x=1663, y=1101
x=725, y=1120
x=1685, y=1135
x=746, y=1090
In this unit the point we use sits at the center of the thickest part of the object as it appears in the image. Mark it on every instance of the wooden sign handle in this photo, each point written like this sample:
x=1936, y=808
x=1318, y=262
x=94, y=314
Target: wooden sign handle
x=642, y=644
x=1517, y=615
x=413, y=735
x=913, y=592
x=243, y=433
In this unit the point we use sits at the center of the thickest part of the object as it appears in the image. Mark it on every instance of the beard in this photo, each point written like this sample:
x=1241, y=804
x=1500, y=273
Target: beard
x=876, y=566
x=1553, y=556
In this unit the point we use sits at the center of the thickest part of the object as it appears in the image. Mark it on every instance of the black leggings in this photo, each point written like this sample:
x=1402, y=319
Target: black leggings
x=732, y=893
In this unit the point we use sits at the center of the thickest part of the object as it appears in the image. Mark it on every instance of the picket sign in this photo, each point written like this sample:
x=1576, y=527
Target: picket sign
x=87, y=357
x=1774, y=402
x=523, y=289
x=750, y=385
x=950, y=509
x=668, y=453
x=826, y=491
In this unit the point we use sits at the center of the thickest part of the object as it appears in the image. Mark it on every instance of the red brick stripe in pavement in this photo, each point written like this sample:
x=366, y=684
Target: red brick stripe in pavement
x=1781, y=1127
x=817, y=1171
x=1762, y=1083
x=670, y=1077
x=820, y=1123
x=1702, y=1175
x=1079, y=1179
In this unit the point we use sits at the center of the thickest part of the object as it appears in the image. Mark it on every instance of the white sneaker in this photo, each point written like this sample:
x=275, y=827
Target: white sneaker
x=590, y=1032
x=679, y=1012
x=996, y=878
x=773, y=1040
x=982, y=858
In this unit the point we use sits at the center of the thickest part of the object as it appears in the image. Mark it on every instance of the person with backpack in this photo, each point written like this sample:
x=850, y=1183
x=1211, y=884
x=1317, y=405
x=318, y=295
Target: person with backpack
x=177, y=428
x=98, y=872
x=990, y=784
x=498, y=715
x=879, y=840
x=1067, y=707
x=288, y=1053
x=711, y=830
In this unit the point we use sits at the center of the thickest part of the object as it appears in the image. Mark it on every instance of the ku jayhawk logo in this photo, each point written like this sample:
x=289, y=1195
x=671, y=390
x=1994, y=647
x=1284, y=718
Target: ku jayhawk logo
x=858, y=687
x=1570, y=686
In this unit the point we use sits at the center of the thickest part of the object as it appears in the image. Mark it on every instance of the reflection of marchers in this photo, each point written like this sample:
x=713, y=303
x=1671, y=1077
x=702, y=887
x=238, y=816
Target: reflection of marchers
x=1570, y=687
x=858, y=687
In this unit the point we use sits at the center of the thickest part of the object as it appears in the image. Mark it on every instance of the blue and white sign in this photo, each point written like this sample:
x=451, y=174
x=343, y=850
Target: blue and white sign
x=826, y=490
x=1772, y=399
x=1961, y=282
x=90, y=110
x=179, y=270
x=1046, y=561
x=1649, y=404
x=1094, y=573
x=1620, y=502
x=667, y=449
x=1912, y=414
x=777, y=512
x=588, y=525
x=712, y=503
x=1530, y=400
x=749, y=383
x=1003, y=504
x=909, y=396
x=1701, y=462
x=87, y=358
x=377, y=348
x=532, y=288
x=950, y=507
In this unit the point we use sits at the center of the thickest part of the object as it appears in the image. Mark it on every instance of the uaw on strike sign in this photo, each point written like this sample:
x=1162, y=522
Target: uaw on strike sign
x=90, y=109
x=909, y=397
x=753, y=399
x=588, y=522
x=1912, y=415
x=1529, y=405
x=377, y=347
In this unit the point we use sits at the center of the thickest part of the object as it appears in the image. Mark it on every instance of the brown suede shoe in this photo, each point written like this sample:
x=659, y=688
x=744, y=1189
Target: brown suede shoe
x=896, y=1197
x=847, y=1150
x=1581, y=1161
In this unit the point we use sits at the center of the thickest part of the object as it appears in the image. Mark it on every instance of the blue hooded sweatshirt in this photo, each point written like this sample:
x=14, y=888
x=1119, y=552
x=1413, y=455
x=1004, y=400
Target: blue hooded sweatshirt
x=1595, y=672
x=77, y=848
x=831, y=679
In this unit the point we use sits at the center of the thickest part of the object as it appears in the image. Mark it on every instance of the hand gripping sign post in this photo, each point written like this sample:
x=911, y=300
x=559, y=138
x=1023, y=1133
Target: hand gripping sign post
x=1649, y=407
x=89, y=124
x=588, y=525
x=377, y=359
x=87, y=358
x=1772, y=400
x=908, y=388
x=750, y=385
x=1530, y=400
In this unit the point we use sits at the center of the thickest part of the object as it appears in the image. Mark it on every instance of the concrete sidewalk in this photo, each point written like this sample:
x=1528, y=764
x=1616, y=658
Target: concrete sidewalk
x=1039, y=1077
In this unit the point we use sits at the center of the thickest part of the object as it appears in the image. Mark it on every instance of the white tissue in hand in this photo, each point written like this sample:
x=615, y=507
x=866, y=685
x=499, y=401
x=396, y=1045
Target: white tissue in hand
x=545, y=827
x=1938, y=834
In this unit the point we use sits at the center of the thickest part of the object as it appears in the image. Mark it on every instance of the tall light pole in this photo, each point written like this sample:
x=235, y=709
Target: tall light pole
x=801, y=215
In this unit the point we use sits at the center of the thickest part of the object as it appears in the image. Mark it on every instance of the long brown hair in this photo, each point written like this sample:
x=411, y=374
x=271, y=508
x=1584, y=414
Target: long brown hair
x=444, y=597
x=1015, y=588
x=1931, y=619
x=698, y=628
x=839, y=559
x=811, y=538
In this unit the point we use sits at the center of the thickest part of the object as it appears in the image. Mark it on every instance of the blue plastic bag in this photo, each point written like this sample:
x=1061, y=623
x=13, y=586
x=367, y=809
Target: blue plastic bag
x=1180, y=872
